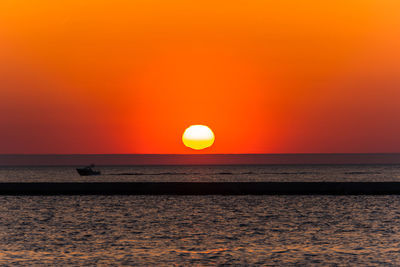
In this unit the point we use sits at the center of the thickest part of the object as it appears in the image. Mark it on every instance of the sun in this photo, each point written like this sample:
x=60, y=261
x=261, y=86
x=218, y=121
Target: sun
x=198, y=137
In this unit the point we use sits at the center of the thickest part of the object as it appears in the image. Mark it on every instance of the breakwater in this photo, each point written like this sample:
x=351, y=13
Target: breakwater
x=201, y=188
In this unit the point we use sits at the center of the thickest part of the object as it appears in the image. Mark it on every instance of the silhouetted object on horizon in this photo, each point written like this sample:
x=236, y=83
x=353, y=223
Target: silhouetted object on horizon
x=87, y=171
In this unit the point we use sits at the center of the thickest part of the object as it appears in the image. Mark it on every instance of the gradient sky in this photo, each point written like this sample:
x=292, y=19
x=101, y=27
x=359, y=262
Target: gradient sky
x=129, y=76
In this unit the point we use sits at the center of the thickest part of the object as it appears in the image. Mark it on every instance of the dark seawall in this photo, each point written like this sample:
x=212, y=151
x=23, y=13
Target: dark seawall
x=200, y=188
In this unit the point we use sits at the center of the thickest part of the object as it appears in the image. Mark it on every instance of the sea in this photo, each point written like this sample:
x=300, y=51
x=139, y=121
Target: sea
x=210, y=230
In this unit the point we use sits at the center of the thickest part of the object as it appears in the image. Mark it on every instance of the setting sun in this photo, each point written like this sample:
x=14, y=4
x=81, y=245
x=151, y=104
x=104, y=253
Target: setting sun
x=198, y=137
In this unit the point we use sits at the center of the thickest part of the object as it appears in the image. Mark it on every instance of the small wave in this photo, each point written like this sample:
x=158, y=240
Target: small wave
x=193, y=250
x=128, y=173
x=217, y=173
x=289, y=173
x=161, y=173
x=280, y=251
x=172, y=173
x=362, y=173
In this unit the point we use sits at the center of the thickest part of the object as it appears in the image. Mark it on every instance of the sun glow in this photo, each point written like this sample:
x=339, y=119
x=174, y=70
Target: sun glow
x=198, y=137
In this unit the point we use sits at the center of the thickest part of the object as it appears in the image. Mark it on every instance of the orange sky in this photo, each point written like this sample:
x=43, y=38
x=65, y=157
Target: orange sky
x=129, y=76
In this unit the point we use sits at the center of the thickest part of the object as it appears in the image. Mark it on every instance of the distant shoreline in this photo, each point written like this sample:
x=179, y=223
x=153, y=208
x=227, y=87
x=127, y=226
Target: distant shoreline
x=195, y=159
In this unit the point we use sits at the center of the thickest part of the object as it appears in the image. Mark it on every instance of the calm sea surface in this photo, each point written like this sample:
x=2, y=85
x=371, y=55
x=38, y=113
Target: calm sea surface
x=201, y=230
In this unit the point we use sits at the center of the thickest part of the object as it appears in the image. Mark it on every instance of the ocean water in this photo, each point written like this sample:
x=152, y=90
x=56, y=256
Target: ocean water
x=201, y=230
x=210, y=173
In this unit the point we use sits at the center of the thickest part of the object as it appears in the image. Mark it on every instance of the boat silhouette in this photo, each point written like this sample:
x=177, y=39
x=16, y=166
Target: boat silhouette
x=87, y=171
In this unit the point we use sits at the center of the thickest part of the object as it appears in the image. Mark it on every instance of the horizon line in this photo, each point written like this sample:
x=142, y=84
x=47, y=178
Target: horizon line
x=200, y=154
